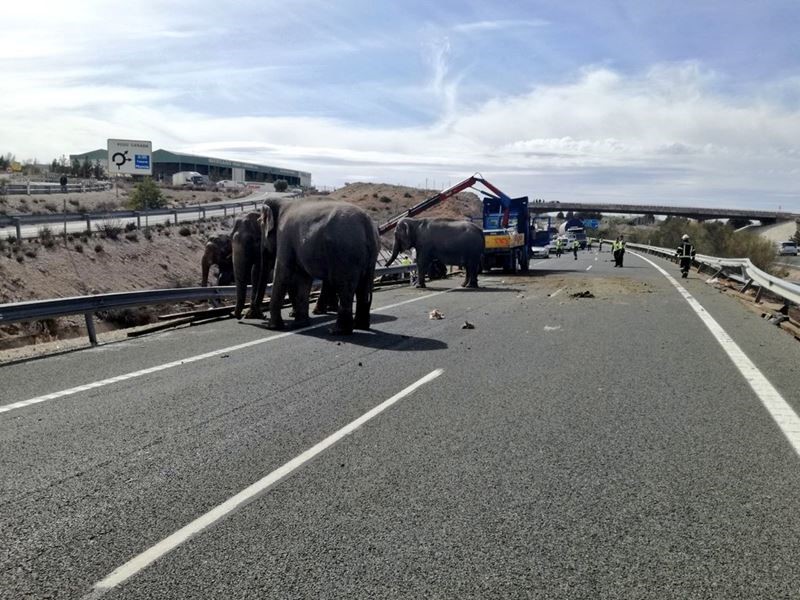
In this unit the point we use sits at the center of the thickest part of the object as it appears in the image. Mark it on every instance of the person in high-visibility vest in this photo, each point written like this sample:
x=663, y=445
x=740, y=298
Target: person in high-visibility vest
x=618, y=246
x=575, y=246
x=558, y=247
x=685, y=255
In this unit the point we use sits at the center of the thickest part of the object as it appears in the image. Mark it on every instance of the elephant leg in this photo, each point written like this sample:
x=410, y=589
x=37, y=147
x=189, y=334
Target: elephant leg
x=240, y=270
x=256, y=297
x=302, y=289
x=422, y=268
x=325, y=299
x=280, y=285
x=344, y=319
x=363, y=300
x=472, y=274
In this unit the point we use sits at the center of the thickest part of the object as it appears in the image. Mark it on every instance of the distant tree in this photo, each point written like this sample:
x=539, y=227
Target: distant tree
x=797, y=233
x=281, y=185
x=589, y=214
x=86, y=168
x=75, y=169
x=97, y=170
x=570, y=214
x=560, y=215
x=146, y=194
x=54, y=168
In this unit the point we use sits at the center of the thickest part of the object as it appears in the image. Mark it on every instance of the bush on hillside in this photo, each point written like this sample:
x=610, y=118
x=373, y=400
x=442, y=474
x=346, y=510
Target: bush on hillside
x=146, y=194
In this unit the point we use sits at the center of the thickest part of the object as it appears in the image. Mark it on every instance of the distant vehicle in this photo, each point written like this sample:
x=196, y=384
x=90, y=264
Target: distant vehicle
x=540, y=251
x=573, y=229
x=182, y=178
x=228, y=184
x=788, y=248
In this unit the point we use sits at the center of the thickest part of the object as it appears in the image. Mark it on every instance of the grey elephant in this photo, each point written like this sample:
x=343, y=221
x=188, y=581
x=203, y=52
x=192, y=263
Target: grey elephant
x=218, y=251
x=247, y=261
x=332, y=241
x=448, y=241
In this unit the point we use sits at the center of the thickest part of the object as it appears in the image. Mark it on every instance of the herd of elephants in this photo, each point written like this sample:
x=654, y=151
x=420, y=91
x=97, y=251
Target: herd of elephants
x=293, y=241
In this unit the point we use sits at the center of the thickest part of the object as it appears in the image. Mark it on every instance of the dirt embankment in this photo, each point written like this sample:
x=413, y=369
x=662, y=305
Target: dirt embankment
x=43, y=269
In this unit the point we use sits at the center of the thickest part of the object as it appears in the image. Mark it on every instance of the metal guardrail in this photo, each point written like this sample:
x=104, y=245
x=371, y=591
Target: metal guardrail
x=88, y=305
x=50, y=188
x=781, y=288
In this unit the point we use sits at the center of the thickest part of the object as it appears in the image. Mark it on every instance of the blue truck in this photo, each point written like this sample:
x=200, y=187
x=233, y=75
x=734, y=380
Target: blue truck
x=506, y=234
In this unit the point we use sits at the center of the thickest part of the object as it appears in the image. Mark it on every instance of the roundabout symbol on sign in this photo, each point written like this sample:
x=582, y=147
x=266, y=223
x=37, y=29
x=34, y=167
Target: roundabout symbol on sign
x=120, y=158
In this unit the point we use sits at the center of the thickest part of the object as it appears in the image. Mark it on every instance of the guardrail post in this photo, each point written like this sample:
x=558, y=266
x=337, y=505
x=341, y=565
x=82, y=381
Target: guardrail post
x=199, y=212
x=18, y=228
x=83, y=187
x=88, y=223
x=224, y=211
x=204, y=212
x=175, y=216
x=746, y=286
x=138, y=219
x=28, y=189
x=758, y=294
x=90, y=328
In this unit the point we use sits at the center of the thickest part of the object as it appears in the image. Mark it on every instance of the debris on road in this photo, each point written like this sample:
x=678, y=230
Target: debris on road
x=467, y=325
x=552, y=327
x=583, y=294
x=435, y=315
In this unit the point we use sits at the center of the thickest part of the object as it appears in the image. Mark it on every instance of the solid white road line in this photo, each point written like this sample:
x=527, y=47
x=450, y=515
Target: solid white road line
x=191, y=359
x=557, y=292
x=589, y=267
x=783, y=414
x=150, y=555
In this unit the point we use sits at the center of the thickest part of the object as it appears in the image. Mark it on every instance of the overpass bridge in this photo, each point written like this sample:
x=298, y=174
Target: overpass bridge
x=692, y=212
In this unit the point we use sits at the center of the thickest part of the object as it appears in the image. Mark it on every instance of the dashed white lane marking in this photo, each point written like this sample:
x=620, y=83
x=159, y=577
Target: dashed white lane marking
x=589, y=267
x=783, y=414
x=136, y=564
x=557, y=292
x=188, y=360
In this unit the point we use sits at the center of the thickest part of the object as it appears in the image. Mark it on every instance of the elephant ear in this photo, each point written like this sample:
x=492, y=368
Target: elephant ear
x=266, y=220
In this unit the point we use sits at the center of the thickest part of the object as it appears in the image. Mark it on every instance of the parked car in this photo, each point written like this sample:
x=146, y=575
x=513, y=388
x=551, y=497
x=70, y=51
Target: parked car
x=788, y=248
x=540, y=251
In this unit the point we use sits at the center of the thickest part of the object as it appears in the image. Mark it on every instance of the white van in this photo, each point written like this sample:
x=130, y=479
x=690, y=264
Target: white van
x=788, y=248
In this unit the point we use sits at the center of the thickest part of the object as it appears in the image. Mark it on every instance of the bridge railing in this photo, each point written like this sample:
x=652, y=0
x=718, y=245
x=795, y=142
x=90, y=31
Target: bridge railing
x=753, y=276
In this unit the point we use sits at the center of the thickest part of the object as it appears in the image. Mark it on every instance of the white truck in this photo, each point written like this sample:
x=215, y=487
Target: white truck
x=188, y=178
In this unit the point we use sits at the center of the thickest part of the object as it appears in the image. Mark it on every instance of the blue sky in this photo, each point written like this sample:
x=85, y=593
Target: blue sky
x=604, y=101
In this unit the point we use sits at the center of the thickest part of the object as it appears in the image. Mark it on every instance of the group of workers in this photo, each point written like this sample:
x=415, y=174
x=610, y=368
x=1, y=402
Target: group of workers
x=560, y=244
x=685, y=252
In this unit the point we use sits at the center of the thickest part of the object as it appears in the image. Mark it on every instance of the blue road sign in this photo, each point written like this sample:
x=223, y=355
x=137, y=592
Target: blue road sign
x=142, y=161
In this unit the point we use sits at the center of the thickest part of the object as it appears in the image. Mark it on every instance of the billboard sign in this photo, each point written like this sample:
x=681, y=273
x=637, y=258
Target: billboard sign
x=131, y=157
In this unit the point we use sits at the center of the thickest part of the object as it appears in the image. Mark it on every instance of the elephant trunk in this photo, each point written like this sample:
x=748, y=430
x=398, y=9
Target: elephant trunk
x=395, y=251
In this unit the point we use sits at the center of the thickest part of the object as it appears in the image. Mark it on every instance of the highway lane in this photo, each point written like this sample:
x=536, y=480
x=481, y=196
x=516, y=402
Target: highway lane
x=589, y=447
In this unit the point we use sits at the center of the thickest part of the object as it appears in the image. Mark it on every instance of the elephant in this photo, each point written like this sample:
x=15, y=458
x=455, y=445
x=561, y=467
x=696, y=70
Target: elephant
x=248, y=263
x=449, y=241
x=332, y=241
x=218, y=252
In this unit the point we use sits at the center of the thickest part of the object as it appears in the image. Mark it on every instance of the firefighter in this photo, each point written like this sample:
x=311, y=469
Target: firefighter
x=685, y=255
x=575, y=246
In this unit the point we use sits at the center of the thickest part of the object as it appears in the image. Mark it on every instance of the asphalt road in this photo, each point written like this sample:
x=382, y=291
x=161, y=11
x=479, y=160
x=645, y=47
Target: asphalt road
x=599, y=447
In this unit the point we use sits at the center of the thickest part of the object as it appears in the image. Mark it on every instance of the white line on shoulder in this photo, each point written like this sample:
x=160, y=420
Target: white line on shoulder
x=783, y=414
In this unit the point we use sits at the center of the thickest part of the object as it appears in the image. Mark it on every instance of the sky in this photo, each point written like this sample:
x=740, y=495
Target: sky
x=667, y=102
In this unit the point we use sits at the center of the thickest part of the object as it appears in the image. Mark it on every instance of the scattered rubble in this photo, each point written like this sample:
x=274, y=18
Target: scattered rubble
x=435, y=315
x=467, y=325
x=583, y=294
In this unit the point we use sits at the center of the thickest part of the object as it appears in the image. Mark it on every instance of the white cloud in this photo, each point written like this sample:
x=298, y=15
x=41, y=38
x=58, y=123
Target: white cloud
x=666, y=134
x=497, y=25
